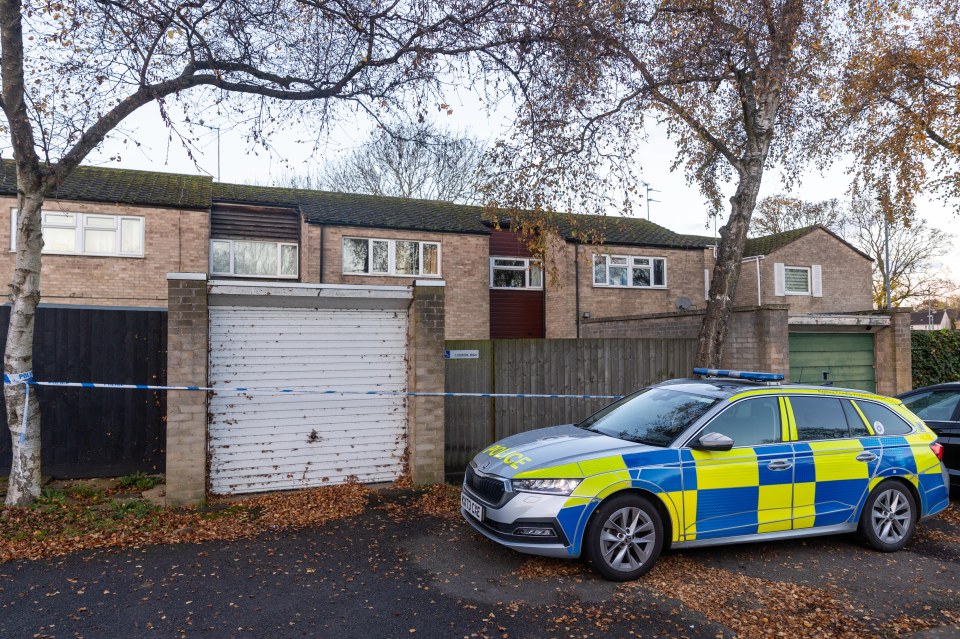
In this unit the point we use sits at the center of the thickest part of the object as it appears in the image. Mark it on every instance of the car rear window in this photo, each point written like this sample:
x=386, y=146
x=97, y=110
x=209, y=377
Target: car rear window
x=819, y=418
x=934, y=406
x=749, y=422
x=884, y=420
x=654, y=416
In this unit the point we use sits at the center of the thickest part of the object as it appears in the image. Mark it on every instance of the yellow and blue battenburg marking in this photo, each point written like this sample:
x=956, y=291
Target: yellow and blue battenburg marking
x=737, y=492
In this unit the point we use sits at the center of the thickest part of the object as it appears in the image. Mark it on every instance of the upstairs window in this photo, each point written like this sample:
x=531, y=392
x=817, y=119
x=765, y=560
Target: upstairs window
x=254, y=259
x=365, y=256
x=67, y=233
x=516, y=272
x=629, y=272
x=796, y=280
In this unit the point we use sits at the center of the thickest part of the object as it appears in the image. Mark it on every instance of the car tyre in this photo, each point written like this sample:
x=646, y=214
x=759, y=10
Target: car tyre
x=889, y=517
x=625, y=537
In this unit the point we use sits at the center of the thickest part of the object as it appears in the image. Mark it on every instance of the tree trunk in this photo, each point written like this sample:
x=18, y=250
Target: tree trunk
x=24, y=485
x=726, y=272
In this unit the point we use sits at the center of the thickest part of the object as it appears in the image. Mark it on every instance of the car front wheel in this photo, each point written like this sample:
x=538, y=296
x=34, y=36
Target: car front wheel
x=624, y=538
x=889, y=517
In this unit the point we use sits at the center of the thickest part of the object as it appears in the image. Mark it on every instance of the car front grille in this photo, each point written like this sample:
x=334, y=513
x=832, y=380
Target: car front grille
x=490, y=489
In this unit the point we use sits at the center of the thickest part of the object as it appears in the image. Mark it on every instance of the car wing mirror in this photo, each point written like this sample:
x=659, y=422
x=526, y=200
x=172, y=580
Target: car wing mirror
x=714, y=442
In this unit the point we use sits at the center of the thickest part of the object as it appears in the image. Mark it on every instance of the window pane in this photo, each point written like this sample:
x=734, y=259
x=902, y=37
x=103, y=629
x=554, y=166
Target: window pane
x=97, y=241
x=935, y=406
x=508, y=279
x=60, y=240
x=884, y=420
x=131, y=237
x=857, y=427
x=618, y=276
x=408, y=258
x=497, y=261
x=221, y=257
x=255, y=258
x=819, y=418
x=289, y=260
x=100, y=221
x=797, y=280
x=599, y=269
x=431, y=265
x=641, y=261
x=381, y=257
x=659, y=272
x=536, y=275
x=641, y=276
x=355, y=255
x=619, y=261
x=750, y=422
x=60, y=219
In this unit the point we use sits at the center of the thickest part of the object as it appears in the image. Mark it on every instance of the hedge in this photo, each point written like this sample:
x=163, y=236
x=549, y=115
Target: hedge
x=936, y=357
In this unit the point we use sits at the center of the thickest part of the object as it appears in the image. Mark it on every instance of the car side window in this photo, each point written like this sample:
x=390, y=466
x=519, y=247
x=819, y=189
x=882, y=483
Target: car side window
x=884, y=420
x=857, y=427
x=749, y=422
x=934, y=406
x=819, y=418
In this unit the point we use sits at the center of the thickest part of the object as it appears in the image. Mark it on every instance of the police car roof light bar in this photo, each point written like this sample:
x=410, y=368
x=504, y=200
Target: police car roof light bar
x=748, y=375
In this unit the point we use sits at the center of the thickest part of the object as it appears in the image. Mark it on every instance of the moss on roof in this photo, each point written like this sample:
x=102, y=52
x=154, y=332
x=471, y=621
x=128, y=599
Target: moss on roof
x=767, y=244
x=123, y=186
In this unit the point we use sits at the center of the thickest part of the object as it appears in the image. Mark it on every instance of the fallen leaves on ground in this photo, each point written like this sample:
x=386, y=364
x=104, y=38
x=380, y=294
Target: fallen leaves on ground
x=750, y=606
x=544, y=568
x=50, y=528
x=439, y=500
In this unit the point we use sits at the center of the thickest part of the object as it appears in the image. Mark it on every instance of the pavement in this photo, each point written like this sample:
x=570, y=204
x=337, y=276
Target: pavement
x=395, y=573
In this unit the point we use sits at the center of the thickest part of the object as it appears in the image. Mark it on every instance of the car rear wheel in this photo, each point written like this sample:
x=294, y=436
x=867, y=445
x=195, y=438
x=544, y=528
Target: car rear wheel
x=889, y=517
x=624, y=538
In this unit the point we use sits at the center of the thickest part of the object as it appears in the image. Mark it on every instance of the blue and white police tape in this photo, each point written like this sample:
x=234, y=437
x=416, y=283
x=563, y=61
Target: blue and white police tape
x=309, y=390
x=25, y=379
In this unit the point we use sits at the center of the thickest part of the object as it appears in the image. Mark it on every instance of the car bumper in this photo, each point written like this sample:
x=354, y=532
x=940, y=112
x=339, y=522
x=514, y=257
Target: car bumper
x=522, y=510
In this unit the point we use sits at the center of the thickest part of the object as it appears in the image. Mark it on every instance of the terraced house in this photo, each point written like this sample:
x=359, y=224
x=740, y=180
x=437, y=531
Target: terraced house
x=112, y=235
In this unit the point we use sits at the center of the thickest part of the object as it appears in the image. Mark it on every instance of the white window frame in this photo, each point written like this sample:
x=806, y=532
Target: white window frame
x=391, y=258
x=786, y=289
x=631, y=263
x=527, y=263
x=280, y=246
x=79, y=225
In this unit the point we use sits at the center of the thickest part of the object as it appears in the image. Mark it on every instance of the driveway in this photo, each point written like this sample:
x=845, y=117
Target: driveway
x=394, y=572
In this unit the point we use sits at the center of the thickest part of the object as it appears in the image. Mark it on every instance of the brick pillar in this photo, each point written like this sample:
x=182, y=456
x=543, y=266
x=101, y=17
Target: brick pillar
x=187, y=332
x=902, y=351
x=425, y=414
x=773, y=335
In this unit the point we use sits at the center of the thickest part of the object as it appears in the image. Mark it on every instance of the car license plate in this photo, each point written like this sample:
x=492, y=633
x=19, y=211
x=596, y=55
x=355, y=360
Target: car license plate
x=471, y=506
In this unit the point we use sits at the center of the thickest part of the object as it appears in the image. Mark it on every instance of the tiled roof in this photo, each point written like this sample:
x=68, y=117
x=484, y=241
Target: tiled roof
x=123, y=186
x=935, y=317
x=767, y=244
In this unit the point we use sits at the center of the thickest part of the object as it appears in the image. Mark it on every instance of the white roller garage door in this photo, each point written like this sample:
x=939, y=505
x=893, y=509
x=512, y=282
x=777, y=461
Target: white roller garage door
x=273, y=441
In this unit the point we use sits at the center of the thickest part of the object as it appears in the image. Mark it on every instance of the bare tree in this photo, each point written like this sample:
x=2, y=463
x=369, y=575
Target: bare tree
x=739, y=85
x=915, y=248
x=72, y=72
x=779, y=213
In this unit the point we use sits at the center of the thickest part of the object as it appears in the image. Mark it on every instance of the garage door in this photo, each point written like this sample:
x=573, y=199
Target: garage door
x=847, y=356
x=272, y=441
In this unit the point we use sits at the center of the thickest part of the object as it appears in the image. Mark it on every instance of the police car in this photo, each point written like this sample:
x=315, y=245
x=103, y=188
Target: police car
x=726, y=458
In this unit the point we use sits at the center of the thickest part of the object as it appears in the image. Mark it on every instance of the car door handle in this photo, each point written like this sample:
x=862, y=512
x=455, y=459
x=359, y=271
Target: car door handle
x=779, y=464
x=866, y=456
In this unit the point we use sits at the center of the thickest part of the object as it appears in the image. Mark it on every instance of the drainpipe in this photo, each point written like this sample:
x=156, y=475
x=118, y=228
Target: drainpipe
x=759, y=294
x=321, y=254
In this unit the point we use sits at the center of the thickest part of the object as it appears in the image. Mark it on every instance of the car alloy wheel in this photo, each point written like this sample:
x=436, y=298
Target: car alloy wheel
x=891, y=516
x=625, y=537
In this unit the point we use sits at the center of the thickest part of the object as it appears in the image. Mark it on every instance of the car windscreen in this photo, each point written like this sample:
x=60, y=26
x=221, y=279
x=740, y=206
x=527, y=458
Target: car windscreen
x=654, y=416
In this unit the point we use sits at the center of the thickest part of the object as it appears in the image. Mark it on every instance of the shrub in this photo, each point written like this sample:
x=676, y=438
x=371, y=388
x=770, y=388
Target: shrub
x=139, y=481
x=936, y=357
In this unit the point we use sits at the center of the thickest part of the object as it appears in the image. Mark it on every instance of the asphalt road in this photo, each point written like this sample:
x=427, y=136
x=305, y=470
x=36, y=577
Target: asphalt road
x=381, y=575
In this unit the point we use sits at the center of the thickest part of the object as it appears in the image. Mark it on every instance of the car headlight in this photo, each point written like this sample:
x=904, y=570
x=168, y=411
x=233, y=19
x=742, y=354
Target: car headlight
x=551, y=486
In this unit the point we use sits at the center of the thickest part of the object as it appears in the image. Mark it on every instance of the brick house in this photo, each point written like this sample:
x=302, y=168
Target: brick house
x=112, y=236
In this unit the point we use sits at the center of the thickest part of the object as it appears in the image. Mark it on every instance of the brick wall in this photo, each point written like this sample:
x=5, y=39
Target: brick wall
x=684, y=279
x=175, y=241
x=186, y=447
x=893, y=355
x=425, y=415
x=464, y=266
x=757, y=339
x=847, y=279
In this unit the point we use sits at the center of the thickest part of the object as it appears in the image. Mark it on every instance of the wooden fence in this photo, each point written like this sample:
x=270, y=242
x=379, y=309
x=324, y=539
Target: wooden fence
x=613, y=366
x=87, y=432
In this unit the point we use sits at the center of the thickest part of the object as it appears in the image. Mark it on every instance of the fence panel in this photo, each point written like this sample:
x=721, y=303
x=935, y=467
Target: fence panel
x=615, y=366
x=97, y=432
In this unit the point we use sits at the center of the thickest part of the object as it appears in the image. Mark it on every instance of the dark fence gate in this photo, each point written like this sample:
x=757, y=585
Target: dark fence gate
x=90, y=432
x=603, y=366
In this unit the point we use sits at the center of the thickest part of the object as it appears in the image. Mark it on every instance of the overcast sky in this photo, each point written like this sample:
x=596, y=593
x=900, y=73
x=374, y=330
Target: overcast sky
x=679, y=207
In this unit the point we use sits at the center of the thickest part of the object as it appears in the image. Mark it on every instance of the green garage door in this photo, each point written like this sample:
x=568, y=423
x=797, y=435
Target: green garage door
x=848, y=357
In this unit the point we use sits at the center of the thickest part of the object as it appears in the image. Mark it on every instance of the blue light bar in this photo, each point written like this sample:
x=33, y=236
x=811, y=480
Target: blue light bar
x=752, y=376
